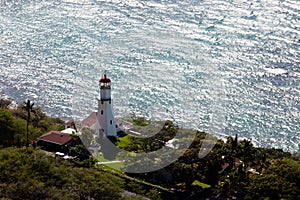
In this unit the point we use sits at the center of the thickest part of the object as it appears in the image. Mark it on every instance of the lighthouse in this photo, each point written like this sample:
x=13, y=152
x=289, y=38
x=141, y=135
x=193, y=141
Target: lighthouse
x=105, y=113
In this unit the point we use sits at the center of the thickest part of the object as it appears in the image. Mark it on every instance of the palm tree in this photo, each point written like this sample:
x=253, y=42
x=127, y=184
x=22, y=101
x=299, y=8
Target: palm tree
x=29, y=108
x=233, y=144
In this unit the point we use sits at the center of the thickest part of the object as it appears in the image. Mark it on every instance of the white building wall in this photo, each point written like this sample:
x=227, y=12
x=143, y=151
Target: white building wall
x=106, y=118
x=105, y=93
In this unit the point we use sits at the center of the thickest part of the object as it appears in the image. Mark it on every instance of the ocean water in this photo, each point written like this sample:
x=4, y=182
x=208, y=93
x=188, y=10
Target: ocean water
x=224, y=67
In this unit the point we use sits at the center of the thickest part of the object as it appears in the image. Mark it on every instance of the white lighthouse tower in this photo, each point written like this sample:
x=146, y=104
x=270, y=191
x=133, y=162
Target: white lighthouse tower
x=105, y=114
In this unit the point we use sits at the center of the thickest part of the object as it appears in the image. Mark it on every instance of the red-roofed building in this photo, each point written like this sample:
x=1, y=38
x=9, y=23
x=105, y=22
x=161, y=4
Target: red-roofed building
x=91, y=120
x=55, y=141
x=103, y=120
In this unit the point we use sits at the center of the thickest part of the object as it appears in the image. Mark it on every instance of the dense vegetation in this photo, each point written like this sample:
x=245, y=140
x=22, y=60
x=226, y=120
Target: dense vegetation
x=233, y=169
x=13, y=124
x=31, y=174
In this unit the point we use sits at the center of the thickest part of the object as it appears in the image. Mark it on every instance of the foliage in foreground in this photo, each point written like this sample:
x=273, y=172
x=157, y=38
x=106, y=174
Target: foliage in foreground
x=13, y=125
x=224, y=173
x=31, y=174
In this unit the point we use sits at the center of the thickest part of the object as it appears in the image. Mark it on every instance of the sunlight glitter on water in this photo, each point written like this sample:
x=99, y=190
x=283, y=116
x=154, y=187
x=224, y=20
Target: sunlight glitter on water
x=190, y=61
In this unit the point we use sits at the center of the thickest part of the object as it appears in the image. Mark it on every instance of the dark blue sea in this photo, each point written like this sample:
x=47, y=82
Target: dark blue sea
x=222, y=66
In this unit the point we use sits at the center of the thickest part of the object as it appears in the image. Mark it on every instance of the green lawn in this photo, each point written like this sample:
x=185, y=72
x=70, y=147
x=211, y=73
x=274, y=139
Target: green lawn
x=100, y=158
x=203, y=185
x=114, y=166
x=124, y=141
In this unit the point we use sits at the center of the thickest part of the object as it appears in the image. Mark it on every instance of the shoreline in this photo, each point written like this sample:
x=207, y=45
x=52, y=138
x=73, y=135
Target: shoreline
x=222, y=136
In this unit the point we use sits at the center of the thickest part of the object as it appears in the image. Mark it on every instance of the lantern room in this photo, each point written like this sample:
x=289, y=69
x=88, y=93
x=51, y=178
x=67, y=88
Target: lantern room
x=105, y=82
x=105, y=90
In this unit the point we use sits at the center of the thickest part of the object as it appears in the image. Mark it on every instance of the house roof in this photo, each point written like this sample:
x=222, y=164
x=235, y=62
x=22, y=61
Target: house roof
x=56, y=137
x=91, y=119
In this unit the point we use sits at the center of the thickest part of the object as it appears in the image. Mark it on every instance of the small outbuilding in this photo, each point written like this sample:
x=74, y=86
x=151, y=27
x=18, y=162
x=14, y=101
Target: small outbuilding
x=55, y=141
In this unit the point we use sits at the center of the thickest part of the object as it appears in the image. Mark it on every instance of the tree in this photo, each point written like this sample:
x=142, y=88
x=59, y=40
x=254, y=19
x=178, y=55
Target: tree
x=6, y=128
x=29, y=108
x=20, y=131
x=38, y=115
x=286, y=168
x=32, y=174
x=233, y=144
x=4, y=103
x=271, y=186
x=280, y=180
x=88, y=183
x=48, y=124
x=246, y=151
x=13, y=130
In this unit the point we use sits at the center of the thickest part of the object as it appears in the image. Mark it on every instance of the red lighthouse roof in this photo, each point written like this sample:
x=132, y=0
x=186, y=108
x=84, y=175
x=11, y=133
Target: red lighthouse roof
x=105, y=79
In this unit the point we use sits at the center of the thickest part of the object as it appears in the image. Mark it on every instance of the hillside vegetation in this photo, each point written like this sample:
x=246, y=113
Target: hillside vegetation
x=233, y=169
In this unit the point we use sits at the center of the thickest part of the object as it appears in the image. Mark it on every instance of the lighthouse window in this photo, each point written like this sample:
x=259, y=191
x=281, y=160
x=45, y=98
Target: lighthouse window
x=109, y=101
x=101, y=112
x=110, y=121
